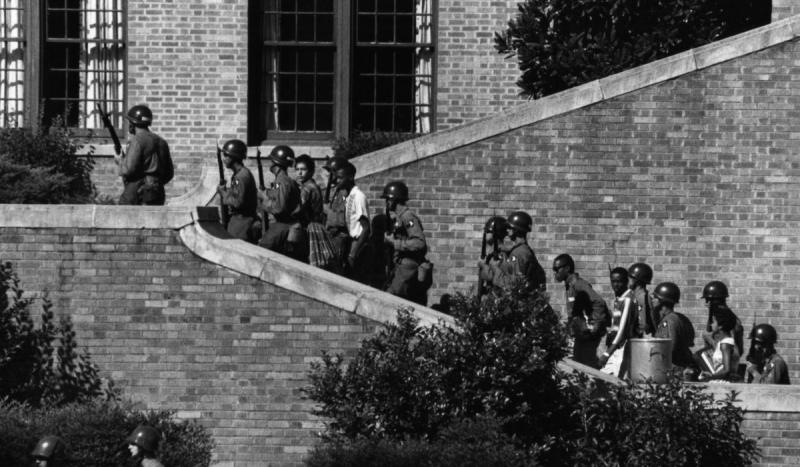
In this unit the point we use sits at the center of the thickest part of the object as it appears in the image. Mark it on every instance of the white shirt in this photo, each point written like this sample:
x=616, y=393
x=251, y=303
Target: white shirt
x=355, y=209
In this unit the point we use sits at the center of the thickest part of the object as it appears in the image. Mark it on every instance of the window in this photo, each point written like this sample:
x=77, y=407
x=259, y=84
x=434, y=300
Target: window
x=72, y=57
x=321, y=68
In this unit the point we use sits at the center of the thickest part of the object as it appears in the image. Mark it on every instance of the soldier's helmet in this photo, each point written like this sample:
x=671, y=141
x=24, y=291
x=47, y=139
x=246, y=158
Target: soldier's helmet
x=49, y=448
x=715, y=289
x=282, y=156
x=764, y=333
x=235, y=148
x=335, y=163
x=396, y=190
x=668, y=292
x=146, y=437
x=495, y=225
x=520, y=221
x=641, y=272
x=140, y=115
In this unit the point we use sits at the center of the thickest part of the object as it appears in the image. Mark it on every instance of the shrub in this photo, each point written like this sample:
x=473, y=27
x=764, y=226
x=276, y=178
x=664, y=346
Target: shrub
x=41, y=166
x=563, y=43
x=478, y=443
x=95, y=434
x=409, y=394
x=32, y=369
x=362, y=142
x=657, y=424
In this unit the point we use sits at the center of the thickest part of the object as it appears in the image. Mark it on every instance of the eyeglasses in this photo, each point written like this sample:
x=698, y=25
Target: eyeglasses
x=557, y=268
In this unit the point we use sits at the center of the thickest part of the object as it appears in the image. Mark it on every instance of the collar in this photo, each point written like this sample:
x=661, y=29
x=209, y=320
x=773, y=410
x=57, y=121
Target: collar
x=571, y=279
x=400, y=210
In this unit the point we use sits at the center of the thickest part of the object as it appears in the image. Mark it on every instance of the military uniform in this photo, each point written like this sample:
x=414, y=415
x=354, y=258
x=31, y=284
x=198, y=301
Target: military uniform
x=282, y=200
x=410, y=248
x=140, y=167
x=520, y=262
x=588, y=316
x=773, y=371
x=241, y=199
x=336, y=226
x=677, y=327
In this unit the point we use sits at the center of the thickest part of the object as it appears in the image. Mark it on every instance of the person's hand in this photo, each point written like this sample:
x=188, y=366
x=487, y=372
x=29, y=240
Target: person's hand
x=388, y=238
x=704, y=376
x=221, y=189
x=604, y=359
x=351, y=261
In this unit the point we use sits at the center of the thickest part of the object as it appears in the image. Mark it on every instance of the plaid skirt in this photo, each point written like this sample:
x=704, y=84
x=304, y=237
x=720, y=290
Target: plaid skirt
x=321, y=251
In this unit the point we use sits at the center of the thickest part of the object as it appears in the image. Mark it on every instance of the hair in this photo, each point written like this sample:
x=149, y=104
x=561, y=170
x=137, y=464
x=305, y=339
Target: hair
x=725, y=317
x=349, y=169
x=307, y=160
x=565, y=258
x=619, y=270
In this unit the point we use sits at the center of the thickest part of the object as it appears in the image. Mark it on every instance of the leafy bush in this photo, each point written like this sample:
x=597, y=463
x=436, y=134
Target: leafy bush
x=32, y=369
x=559, y=44
x=95, y=434
x=478, y=443
x=408, y=388
x=41, y=166
x=657, y=424
x=362, y=142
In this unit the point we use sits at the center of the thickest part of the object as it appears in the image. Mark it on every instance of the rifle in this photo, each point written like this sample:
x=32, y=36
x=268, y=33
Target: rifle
x=263, y=187
x=750, y=358
x=330, y=184
x=497, y=236
x=111, y=130
x=224, y=215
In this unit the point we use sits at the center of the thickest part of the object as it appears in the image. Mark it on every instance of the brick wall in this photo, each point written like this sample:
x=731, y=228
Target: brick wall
x=187, y=60
x=777, y=433
x=784, y=8
x=472, y=79
x=177, y=332
x=696, y=176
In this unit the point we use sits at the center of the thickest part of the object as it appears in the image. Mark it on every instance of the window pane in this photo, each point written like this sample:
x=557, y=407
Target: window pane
x=363, y=118
x=286, y=88
x=324, y=28
x=325, y=61
x=405, y=29
x=82, y=59
x=325, y=6
x=384, y=88
x=305, y=5
x=305, y=117
x=324, y=88
x=286, y=117
x=366, y=5
x=305, y=28
x=385, y=28
x=366, y=28
x=324, y=118
x=305, y=88
x=404, y=119
x=383, y=119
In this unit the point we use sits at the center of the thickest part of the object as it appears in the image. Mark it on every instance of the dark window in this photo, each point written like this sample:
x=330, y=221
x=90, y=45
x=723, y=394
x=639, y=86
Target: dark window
x=81, y=52
x=327, y=67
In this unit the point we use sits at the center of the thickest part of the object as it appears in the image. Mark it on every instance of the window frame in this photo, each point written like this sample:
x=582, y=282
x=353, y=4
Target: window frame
x=345, y=40
x=34, y=37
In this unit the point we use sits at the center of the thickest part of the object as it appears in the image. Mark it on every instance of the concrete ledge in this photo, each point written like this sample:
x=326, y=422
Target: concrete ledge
x=94, y=216
x=301, y=278
x=760, y=397
x=202, y=193
x=581, y=96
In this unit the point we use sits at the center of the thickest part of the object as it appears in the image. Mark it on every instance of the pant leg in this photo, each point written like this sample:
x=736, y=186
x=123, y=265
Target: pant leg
x=403, y=279
x=239, y=226
x=275, y=237
x=585, y=351
x=130, y=193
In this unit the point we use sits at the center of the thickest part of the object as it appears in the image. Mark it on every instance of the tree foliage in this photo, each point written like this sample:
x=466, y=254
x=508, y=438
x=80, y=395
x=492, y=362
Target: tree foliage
x=41, y=366
x=408, y=387
x=41, y=166
x=363, y=142
x=559, y=44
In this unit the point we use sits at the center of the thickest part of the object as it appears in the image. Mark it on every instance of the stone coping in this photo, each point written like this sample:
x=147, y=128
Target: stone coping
x=304, y=279
x=94, y=216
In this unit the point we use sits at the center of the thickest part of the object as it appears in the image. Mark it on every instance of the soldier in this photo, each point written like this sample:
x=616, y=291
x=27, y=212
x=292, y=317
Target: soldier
x=587, y=313
x=520, y=263
x=50, y=451
x=765, y=366
x=715, y=294
x=143, y=443
x=673, y=325
x=639, y=275
x=494, y=233
x=282, y=201
x=408, y=241
x=612, y=362
x=335, y=220
x=146, y=164
x=241, y=198
x=319, y=250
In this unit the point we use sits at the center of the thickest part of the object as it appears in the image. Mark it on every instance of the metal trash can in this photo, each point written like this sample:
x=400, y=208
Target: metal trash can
x=651, y=358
